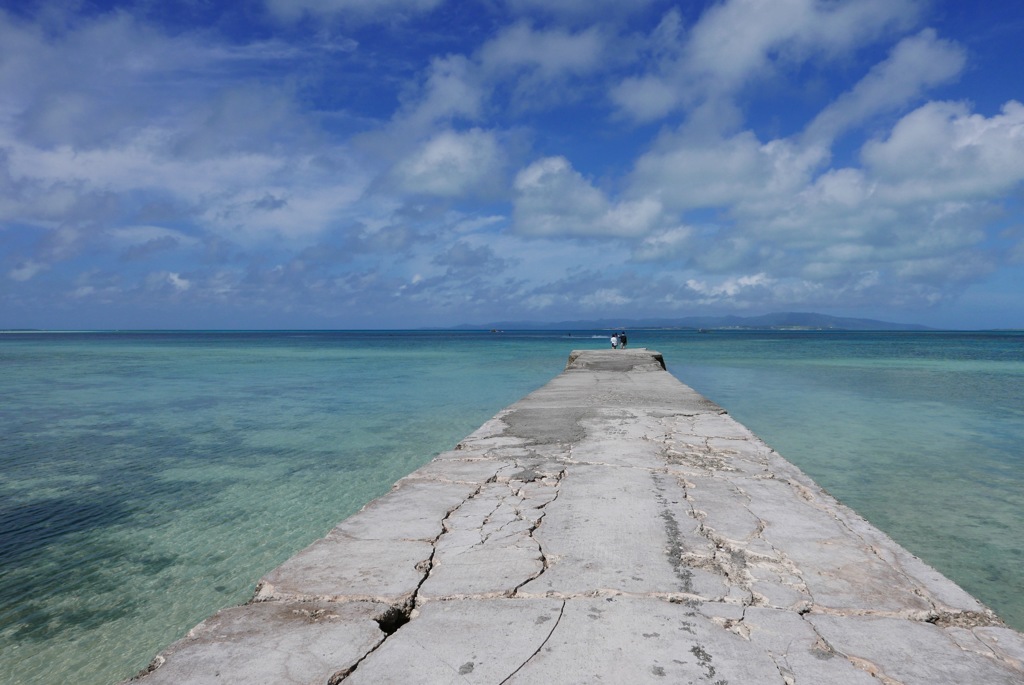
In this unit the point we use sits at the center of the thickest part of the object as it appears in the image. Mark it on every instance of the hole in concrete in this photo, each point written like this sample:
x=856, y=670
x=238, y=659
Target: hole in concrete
x=392, y=619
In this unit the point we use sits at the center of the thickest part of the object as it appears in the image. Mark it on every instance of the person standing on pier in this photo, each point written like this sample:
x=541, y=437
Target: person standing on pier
x=622, y=339
x=615, y=340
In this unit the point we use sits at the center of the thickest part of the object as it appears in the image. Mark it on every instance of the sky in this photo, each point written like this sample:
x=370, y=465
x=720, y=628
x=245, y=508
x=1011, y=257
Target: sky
x=342, y=164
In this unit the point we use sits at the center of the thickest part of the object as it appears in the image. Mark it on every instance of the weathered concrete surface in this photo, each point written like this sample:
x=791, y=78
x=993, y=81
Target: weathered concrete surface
x=613, y=526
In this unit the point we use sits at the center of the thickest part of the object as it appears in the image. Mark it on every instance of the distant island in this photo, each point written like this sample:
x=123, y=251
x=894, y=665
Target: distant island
x=779, y=321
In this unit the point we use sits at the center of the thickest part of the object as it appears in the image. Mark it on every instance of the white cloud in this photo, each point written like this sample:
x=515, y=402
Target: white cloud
x=550, y=52
x=535, y=267
x=538, y=68
x=255, y=172
x=670, y=244
x=140, y=163
x=604, y=297
x=304, y=211
x=108, y=116
x=839, y=188
x=553, y=199
x=228, y=192
x=452, y=164
x=942, y=151
x=168, y=282
x=646, y=98
x=96, y=82
x=452, y=89
x=915, y=64
x=178, y=282
x=729, y=288
x=530, y=65
x=685, y=171
x=736, y=41
x=533, y=63
x=540, y=302
x=909, y=225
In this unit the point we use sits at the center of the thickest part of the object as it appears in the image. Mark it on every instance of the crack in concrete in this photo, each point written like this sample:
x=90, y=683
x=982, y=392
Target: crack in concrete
x=937, y=616
x=872, y=670
x=787, y=675
x=786, y=672
x=828, y=650
x=993, y=649
x=726, y=545
x=342, y=675
x=484, y=537
x=545, y=564
x=729, y=559
x=398, y=615
x=870, y=548
x=734, y=562
x=561, y=612
x=779, y=563
x=726, y=560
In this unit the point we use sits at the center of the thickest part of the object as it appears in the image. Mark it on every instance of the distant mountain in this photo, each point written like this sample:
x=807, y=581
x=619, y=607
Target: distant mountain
x=775, y=321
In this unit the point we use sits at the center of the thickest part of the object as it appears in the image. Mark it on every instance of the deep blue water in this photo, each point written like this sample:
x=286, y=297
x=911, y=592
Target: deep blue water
x=148, y=479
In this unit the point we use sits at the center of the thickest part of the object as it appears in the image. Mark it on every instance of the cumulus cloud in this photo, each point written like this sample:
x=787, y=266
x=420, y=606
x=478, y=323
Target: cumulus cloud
x=537, y=68
x=907, y=225
x=671, y=244
x=549, y=52
x=603, y=298
x=108, y=125
x=728, y=288
x=553, y=199
x=736, y=41
x=686, y=171
x=529, y=65
x=646, y=98
x=943, y=151
x=521, y=67
x=423, y=171
x=453, y=164
x=228, y=192
x=464, y=259
x=452, y=89
x=915, y=64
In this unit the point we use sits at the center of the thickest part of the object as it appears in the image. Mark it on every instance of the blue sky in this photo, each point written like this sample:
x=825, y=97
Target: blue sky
x=407, y=163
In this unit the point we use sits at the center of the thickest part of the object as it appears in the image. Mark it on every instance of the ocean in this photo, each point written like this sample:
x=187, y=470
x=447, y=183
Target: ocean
x=148, y=479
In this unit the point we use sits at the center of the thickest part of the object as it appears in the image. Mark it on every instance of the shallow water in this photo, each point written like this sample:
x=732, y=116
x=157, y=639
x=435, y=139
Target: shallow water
x=147, y=480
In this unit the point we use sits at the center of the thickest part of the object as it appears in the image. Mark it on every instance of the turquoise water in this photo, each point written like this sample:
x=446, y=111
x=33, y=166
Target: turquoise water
x=148, y=479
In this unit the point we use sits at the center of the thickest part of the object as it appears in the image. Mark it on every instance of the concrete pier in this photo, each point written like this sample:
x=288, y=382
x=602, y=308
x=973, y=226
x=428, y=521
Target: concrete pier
x=613, y=526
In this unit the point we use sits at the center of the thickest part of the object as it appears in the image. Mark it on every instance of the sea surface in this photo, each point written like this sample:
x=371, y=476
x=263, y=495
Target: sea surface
x=148, y=479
